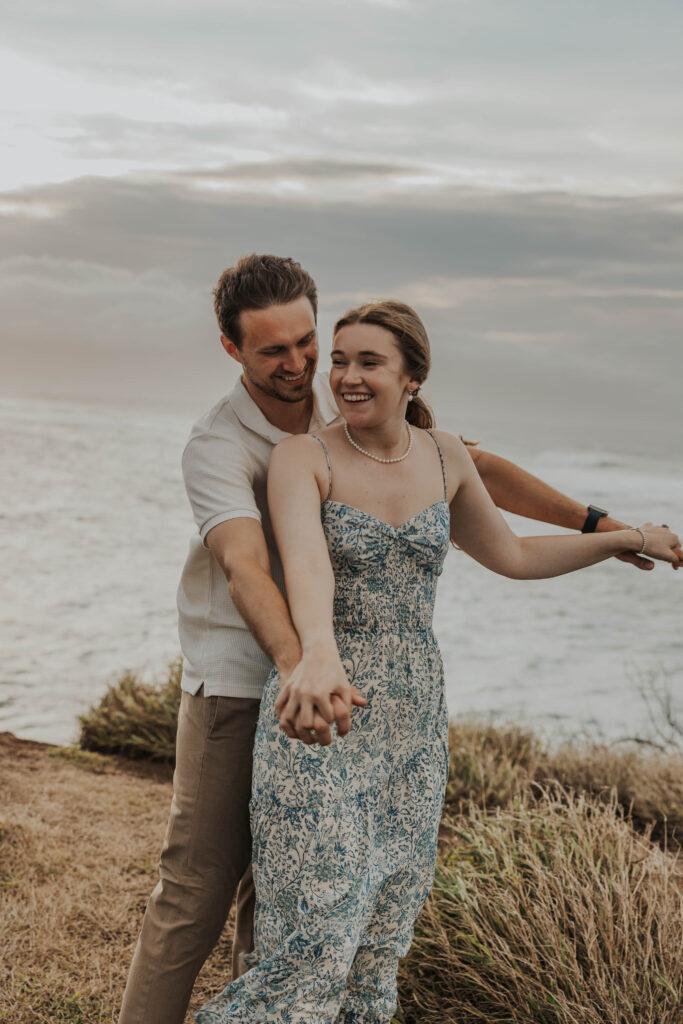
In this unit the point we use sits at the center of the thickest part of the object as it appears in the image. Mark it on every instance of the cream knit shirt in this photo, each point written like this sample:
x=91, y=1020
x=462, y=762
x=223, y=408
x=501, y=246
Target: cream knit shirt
x=225, y=466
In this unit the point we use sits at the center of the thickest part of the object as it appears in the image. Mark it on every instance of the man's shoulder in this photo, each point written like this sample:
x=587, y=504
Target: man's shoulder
x=217, y=440
x=219, y=420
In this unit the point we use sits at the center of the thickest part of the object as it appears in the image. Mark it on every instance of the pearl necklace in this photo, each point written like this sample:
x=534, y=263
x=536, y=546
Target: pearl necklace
x=363, y=451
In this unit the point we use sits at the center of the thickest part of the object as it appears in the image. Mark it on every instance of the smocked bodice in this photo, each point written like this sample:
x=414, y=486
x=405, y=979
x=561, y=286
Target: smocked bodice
x=385, y=576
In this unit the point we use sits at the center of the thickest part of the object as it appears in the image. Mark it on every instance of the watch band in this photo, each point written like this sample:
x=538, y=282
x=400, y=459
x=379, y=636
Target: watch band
x=592, y=519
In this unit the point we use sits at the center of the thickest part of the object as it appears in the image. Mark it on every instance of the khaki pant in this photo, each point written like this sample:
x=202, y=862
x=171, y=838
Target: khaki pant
x=205, y=857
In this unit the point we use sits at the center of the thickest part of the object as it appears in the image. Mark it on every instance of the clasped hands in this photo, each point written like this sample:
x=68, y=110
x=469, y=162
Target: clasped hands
x=675, y=555
x=314, y=695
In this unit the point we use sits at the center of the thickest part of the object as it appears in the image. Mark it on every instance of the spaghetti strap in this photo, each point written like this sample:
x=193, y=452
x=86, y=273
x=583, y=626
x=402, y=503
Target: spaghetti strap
x=443, y=464
x=329, y=464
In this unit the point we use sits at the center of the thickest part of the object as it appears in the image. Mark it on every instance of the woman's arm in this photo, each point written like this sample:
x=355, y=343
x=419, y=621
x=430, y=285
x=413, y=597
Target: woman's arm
x=479, y=529
x=318, y=691
x=516, y=490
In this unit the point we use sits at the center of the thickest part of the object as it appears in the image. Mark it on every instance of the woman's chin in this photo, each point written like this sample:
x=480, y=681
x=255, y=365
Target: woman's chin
x=361, y=420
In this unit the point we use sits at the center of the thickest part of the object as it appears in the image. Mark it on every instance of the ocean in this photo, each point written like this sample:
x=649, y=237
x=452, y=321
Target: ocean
x=94, y=528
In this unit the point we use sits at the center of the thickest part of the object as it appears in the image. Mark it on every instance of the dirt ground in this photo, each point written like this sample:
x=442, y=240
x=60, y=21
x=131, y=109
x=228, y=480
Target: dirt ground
x=80, y=837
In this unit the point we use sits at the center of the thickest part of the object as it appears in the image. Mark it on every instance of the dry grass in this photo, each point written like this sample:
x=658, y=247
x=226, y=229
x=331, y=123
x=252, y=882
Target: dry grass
x=551, y=911
x=548, y=908
x=79, y=844
x=648, y=784
x=492, y=765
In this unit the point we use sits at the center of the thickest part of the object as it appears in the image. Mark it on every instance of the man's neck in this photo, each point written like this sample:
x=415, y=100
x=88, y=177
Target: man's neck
x=291, y=417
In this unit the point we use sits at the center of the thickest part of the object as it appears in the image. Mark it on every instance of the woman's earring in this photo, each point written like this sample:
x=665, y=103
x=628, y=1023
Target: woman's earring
x=411, y=394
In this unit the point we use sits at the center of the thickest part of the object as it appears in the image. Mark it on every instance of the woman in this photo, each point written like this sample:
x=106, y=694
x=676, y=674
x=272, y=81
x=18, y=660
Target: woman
x=345, y=834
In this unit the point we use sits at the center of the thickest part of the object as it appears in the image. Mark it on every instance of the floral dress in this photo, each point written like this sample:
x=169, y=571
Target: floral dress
x=344, y=836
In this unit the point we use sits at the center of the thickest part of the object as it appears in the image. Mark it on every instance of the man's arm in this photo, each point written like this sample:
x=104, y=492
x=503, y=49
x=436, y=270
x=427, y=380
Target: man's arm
x=239, y=547
x=517, y=491
x=218, y=476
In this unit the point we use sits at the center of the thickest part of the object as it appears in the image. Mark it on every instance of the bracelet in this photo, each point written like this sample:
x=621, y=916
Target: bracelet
x=643, y=536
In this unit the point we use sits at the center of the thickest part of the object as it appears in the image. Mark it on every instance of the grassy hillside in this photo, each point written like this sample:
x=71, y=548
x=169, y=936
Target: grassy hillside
x=558, y=897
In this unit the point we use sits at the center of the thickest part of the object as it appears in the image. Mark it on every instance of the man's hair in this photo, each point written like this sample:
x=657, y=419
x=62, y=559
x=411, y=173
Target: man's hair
x=257, y=282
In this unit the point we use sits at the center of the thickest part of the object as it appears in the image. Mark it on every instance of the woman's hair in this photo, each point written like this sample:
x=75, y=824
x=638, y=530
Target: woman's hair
x=412, y=340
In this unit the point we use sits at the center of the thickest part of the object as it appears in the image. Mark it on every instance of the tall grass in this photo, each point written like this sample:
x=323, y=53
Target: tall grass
x=491, y=765
x=551, y=911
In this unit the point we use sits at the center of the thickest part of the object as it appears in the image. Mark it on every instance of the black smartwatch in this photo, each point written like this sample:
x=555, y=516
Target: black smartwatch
x=594, y=514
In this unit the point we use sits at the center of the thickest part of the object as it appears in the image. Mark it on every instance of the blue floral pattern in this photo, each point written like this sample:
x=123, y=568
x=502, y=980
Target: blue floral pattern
x=345, y=835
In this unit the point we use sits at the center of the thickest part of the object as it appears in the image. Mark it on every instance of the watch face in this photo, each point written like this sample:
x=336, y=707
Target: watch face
x=602, y=511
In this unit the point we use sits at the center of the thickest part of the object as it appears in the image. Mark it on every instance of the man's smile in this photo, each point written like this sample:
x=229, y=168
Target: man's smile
x=293, y=379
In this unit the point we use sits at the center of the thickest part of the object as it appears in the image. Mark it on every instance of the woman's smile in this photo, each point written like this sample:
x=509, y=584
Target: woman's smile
x=356, y=396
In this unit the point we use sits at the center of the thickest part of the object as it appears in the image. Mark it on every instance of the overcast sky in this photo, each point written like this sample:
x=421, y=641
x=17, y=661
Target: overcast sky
x=513, y=169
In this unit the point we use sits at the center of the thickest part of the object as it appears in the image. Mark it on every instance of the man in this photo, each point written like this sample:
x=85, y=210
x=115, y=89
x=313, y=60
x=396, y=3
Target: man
x=234, y=623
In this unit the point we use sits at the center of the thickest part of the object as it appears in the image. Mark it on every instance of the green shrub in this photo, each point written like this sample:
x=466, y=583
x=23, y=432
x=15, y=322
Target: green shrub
x=135, y=719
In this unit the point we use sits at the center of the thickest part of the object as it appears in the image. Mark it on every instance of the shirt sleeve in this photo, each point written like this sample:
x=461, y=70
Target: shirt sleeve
x=219, y=481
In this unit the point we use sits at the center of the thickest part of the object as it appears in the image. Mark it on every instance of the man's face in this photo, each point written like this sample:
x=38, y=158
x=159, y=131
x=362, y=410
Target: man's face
x=279, y=350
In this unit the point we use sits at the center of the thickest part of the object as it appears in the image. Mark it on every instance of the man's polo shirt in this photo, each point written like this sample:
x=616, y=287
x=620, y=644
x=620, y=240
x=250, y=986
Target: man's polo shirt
x=225, y=467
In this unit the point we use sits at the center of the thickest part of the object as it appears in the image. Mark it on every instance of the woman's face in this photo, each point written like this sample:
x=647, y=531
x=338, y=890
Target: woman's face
x=368, y=378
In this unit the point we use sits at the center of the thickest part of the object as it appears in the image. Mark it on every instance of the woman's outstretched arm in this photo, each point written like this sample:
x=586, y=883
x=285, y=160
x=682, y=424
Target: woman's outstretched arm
x=318, y=692
x=479, y=529
x=516, y=490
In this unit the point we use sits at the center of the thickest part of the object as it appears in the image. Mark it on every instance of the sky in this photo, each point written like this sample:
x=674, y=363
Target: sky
x=512, y=169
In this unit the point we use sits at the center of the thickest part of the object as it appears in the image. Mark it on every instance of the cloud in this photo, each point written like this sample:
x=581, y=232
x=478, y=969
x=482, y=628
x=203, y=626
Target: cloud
x=336, y=82
x=447, y=234
x=551, y=305
x=511, y=169
x=82, y=331
x=302, y=169
x=98, y=305
x=521, y=97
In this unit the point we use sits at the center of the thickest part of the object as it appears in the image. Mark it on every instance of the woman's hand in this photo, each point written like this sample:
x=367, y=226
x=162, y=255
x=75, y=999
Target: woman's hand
x=660, y=542
x=315, y=694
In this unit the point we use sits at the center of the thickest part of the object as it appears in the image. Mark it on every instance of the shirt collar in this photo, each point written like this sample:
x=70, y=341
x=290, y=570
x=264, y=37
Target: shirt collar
x=248, y=413
x=325, y=409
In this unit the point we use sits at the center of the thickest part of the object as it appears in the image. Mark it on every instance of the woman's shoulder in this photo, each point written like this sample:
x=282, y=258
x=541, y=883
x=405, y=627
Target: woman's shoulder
x=449, y=436
x=303, y=451
x=448, y=442
x=296, y=446
x=456, y=450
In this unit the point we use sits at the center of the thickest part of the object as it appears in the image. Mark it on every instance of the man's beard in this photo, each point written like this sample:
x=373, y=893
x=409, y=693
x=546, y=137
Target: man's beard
x=272, y=392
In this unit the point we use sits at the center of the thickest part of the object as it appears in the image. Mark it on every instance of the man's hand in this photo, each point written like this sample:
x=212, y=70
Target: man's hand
x=637, y=560
x=315, y=694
